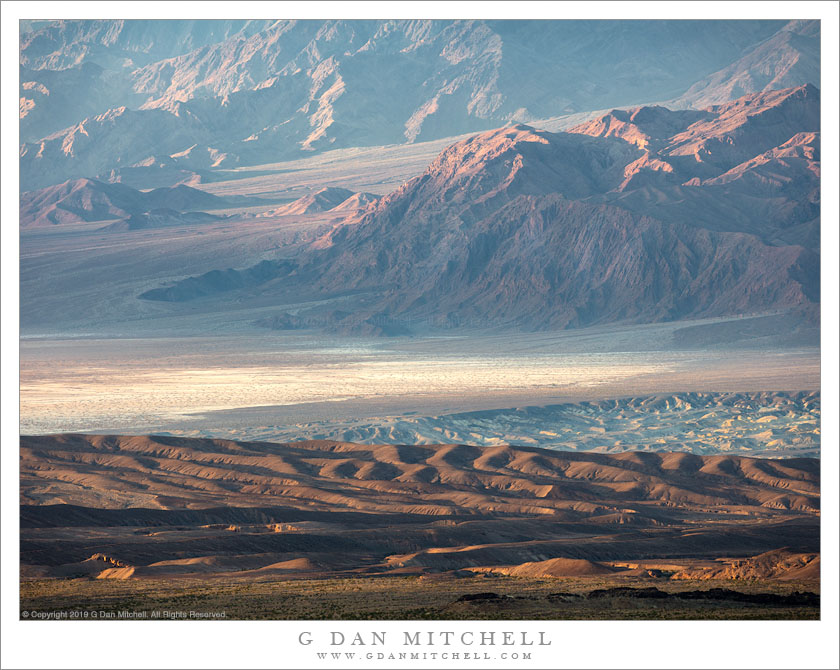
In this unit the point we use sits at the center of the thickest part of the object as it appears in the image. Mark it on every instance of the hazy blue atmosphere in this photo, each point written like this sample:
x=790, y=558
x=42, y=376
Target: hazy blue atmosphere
x=262, y=185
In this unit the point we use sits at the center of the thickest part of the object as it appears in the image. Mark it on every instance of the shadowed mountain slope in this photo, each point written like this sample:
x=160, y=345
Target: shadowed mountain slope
x=523, y=228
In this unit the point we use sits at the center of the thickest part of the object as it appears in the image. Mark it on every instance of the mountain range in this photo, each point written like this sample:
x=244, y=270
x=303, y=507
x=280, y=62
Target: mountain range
x=249, y=92
x=643, y=215
x=699, y=206
x=192, y=190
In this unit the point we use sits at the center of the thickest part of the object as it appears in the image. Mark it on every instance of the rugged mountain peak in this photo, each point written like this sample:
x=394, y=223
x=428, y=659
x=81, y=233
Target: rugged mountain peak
x=756, y=103
x=702, y=144
x=493, y=167
x=647, y=169
x=181, y=197
x=77, y=200
x=803, y=144
x=490, y=145
x=521, y=227
x=748, y=126
x=289, y=87
x=503, y=149
x=646, y=127
x=796, y=162
x=322, y=200
x=357, y=201
x=74, y=185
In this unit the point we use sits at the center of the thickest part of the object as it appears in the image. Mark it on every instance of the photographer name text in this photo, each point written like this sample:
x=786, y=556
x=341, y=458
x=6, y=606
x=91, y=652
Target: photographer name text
x=428, y=638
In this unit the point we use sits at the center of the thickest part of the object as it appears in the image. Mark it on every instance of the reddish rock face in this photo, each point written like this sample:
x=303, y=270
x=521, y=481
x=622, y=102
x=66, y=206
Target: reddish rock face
x=559, y=230
x=525, y=228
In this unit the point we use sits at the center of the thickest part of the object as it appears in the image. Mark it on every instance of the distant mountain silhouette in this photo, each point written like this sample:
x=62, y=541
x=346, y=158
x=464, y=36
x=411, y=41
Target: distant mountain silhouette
x=788, y=58
x=81, y=200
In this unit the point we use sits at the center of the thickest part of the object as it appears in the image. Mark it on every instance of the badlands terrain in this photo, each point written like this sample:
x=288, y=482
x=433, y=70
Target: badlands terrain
x=549, y=390
x=456, y=531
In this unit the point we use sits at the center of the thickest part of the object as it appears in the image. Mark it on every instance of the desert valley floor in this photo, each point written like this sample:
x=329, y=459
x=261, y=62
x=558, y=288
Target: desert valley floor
x=631, y=489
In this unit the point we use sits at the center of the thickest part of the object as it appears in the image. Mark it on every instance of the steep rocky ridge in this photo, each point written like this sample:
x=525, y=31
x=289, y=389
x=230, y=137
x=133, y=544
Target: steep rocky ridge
x=523, y=228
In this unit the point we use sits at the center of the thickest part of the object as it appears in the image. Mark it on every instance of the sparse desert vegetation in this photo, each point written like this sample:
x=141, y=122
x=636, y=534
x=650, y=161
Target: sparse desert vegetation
x=417, y=597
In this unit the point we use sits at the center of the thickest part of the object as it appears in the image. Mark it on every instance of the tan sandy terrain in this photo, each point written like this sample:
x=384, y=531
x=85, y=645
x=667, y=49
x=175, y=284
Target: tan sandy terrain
x=123, y=507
